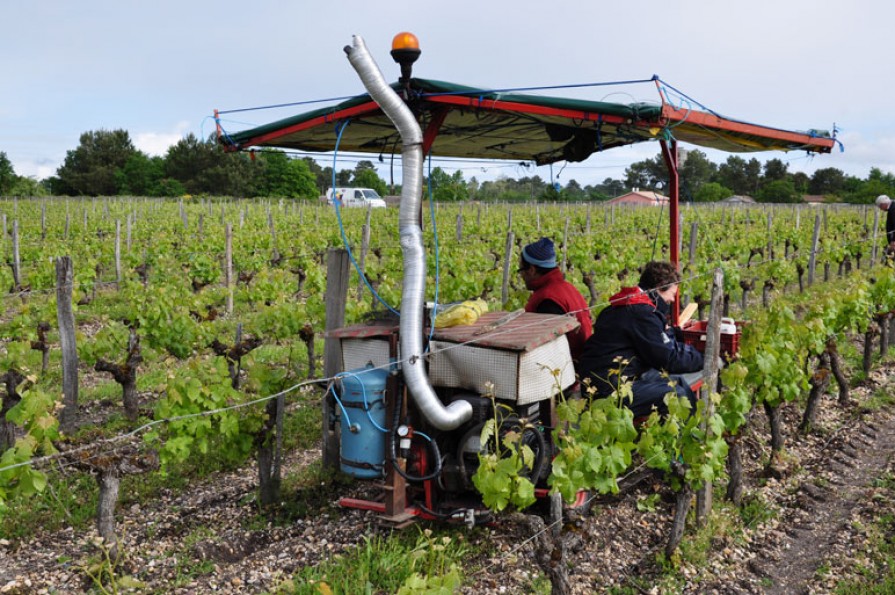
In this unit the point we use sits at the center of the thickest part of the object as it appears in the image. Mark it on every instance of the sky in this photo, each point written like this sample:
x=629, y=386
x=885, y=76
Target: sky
x=159, y=69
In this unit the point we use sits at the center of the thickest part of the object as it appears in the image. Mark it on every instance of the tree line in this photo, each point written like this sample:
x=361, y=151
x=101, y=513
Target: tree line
x=106, y=163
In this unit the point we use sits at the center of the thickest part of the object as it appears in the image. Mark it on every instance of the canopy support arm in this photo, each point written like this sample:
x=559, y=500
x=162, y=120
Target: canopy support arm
x=669, y=154
x=432, y=129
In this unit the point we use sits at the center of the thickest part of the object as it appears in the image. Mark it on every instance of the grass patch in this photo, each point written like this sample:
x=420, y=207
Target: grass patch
x=880, y=399
x=874, y=572
x=71, y=502
x=754, y=510
x=401, y=563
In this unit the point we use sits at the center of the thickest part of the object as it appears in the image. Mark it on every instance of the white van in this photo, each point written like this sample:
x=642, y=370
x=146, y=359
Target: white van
x=355, y=197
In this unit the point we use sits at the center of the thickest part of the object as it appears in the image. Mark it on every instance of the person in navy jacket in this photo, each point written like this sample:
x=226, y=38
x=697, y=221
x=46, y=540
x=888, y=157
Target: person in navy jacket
x=885, y=204
x=632, y=340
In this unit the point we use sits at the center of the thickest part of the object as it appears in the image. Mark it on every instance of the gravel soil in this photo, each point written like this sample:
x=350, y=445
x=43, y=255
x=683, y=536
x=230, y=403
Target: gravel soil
x=818, y=508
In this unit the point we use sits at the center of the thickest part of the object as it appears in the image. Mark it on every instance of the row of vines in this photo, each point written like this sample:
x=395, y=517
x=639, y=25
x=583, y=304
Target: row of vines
x=202, y=365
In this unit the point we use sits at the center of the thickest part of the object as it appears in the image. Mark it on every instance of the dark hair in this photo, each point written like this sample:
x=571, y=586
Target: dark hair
x=659, y=275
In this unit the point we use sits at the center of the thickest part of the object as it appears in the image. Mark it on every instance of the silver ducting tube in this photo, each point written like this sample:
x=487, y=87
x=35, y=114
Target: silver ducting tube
x=413, y=293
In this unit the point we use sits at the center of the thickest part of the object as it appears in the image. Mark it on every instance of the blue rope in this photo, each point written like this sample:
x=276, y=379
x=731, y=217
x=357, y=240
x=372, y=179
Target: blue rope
x=482, y=92
x=341, y=128
x=363, y=390
x=339, y=401
x=688, y=98
x=278, y=105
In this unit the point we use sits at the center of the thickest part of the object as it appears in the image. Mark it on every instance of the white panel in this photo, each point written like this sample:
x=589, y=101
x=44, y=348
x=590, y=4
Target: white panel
x=524, y=377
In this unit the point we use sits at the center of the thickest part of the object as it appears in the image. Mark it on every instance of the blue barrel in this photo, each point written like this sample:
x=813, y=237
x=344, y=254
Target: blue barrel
x=363, y=434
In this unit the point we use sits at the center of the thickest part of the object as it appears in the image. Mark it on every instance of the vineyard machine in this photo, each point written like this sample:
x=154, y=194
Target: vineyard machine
x=406, y=412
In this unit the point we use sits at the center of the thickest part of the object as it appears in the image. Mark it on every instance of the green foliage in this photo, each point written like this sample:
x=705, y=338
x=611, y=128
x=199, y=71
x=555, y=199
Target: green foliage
x=92, y=168
x=203, y=168
x=164, y=319
x=430, y=565
x=368, y=178
x=778, y=191
x=286, y=177
x=35, y=415
x=141, y=175
x=712, y=192
x=8, y=175
x=500, y=476
x=596, y=439
x=191, y=395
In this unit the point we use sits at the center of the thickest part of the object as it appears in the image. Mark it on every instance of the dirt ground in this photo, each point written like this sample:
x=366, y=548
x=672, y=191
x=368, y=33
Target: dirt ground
x=814, y=530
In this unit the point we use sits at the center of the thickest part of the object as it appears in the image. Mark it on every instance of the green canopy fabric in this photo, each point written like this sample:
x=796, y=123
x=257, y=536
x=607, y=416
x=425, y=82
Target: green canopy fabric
x=461, y=121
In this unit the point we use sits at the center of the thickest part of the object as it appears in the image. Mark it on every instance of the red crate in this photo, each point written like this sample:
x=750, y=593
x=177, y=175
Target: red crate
x=694, y=334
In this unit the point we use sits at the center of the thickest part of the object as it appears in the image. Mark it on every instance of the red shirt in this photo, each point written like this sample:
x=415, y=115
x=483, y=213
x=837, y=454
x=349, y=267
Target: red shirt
x=554, y=287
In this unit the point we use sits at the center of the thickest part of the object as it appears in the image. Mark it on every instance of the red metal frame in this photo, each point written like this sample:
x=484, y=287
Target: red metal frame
x=671, y=114
x=364, y=108
x=669, y=154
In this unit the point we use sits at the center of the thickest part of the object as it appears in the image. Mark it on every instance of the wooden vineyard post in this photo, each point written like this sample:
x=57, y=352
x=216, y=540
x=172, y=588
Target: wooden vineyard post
x=275, y=253
x=565, y=247
x=694, y=230
x=507, y=267
x=460, y=225
x=336, y=296
x=812, y=260
x=875, y=251
x=710, y=383
x=118, y=254
x=183, y=217
x=228, y=270
x=66, y=319
x=16, y=261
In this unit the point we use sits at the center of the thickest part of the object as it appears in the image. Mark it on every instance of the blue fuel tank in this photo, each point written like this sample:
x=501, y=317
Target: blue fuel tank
x=363, y=433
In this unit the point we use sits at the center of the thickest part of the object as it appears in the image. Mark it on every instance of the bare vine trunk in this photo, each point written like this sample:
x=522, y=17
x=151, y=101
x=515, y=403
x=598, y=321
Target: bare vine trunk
x=868, y=348
x=820, y=380
x=550, y=553
x=109, y=483
x=836, y=368
x=734, y=469
x=773, y=414
x=11, y=398
x=269, y=452
x=306, y=333
x=682, y=503
x=126, y=375
x=883, y=321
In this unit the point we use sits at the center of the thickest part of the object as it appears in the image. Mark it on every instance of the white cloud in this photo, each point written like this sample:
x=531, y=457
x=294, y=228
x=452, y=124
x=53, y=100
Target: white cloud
x=157, y=143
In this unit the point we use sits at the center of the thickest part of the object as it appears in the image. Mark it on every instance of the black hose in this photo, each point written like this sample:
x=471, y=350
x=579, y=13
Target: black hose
x=436, y=454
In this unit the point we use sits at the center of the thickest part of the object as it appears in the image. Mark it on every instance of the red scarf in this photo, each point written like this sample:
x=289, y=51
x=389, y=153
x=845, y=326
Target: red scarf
x=631, y=296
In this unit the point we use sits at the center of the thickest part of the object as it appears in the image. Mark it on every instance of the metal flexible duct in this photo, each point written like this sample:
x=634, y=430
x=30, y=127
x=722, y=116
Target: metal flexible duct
x=413, y=293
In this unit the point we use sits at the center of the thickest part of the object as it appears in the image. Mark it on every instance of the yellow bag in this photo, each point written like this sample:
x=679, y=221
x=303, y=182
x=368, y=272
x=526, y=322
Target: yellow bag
x=461, y=314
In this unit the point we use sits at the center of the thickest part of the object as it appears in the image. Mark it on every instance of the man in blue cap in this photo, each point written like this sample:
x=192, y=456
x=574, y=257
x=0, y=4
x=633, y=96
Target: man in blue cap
x=552, y=294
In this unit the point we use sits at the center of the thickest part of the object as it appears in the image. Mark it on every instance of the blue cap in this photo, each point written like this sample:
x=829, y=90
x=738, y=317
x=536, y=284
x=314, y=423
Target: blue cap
x=540, y=253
